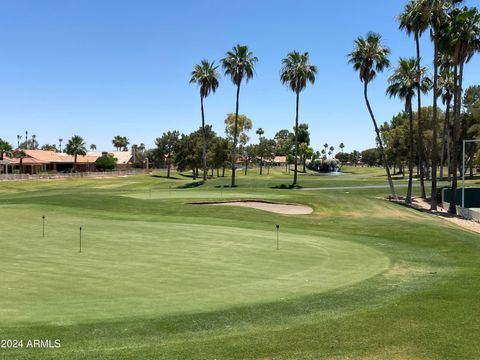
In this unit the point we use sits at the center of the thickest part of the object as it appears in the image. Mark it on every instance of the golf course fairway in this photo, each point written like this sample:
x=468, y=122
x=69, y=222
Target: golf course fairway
x=158, y=277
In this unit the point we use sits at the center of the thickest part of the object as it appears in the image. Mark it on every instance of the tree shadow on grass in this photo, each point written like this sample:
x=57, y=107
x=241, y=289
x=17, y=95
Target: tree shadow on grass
x=166, y=177
x=191, y=185
x=285, y=186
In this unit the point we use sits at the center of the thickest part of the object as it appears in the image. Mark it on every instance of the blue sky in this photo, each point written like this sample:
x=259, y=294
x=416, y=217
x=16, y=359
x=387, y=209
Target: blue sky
x=100, y=68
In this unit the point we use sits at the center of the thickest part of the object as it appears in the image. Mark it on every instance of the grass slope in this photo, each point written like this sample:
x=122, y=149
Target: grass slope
x=360, y=278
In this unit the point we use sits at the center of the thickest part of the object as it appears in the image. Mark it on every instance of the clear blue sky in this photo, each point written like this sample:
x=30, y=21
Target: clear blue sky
x=100, y=68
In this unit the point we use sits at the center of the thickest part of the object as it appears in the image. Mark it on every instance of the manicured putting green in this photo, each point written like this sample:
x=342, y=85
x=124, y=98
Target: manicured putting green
x=135, y=268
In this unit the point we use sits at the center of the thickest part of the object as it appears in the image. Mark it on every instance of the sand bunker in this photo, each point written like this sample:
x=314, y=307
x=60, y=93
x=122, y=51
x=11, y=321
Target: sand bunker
x=287, y=209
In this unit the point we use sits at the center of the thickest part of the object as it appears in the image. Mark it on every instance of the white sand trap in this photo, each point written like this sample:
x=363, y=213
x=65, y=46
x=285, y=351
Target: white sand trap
x=287, y=209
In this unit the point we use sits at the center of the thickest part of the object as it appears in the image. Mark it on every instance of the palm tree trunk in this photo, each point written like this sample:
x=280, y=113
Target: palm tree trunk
x=456, y=127
x=235, y=135
x=261, y=164
x=380, y=142
x=168, y=170
x=420, y=124
x=296, y=140
x=433, y=197
x=408, y=198
x=75, y=163
x=445, y=142
x=204, y=145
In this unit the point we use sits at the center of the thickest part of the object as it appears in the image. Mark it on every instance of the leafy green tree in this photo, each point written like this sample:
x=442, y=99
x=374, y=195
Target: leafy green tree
x=238, y=126
x=369, y=57
x=296, y=73
x=354, y=157
x=371, y=157
x=167, y=144
x=238, y=64
x=106, y=162
x=342, y=157
x=218, y=154
x=403, y=84
x=206, y=76
x=49, y=147
x=76, y=146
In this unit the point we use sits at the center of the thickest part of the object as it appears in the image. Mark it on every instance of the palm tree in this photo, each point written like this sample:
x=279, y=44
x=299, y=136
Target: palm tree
x=332, y=148
x=260, y=133
x=19, y=137
x=446, y=87
x=369, y=57
x=118, y=142
x=76, y=146
x=436, y=10
x=404, y=84
x=60, y=144
x=296, y=73
x=19, y=154
x=26, y=139
x=341, y=146
x=5, y=148
x=239, y=63
x=464, y=36
x=93, y=147
x=206, y=76
x=414, y=20
x=33, y=145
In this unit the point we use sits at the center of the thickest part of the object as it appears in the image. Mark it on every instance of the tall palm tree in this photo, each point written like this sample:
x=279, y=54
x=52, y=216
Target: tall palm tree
x=464, y=33
x=26, y=139
x=341, y=146
x=260, y=133
x=206, y=76
x=93, y=147
x=436, y=10
x=404, y=84
x=19, y=137
x=60, y=140
x=414, y=20
x=76, y=146
x=446, y=88
x=296, y=73
x=369, y=57
x=238, y=64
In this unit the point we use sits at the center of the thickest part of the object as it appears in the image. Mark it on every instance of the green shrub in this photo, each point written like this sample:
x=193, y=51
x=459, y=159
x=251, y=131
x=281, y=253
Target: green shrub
x=106, y=162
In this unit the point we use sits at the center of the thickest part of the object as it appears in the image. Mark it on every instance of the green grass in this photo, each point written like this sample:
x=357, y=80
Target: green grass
x=360, y=278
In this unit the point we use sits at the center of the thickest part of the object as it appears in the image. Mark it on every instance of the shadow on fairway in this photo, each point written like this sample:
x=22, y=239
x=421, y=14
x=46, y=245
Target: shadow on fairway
x=191, y=185
x=166, y=177
x=285, y=186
